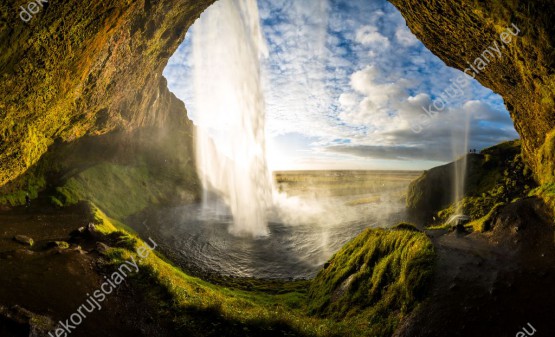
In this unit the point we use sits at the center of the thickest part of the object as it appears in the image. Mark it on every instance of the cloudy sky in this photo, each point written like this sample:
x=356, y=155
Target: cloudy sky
x=346, y=86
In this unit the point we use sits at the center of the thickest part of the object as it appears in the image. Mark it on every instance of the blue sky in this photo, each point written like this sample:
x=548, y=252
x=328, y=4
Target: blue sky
x=345, y=84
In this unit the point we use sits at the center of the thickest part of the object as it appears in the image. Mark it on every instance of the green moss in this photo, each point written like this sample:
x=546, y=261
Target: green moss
x=30, y=184
x=118, y=189
x=61, y=244
x=56, y=202
x=190, y=298
x=547, y=193
x=377, y=278
x=405, y=226
x=483, y=224
x=546, y=160
x=515, y=182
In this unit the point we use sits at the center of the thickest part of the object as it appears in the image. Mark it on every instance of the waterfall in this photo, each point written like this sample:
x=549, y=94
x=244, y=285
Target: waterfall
x=228, y=47
x=460, y=146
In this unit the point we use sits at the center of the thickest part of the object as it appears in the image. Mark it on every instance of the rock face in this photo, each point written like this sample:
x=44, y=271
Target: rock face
x=85, y=68
x=459, y=31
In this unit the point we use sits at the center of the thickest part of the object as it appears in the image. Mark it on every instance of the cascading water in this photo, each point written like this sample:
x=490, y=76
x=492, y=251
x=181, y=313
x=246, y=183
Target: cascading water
x=231, y=157
x=460, y=142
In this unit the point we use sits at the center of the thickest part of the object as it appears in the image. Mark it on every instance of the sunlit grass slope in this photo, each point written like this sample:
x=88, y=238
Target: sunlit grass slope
x=375, y=280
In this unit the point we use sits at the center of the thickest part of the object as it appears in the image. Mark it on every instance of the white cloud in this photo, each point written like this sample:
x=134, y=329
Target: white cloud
x=405, y=37
x=348, y=100
x=370, y=36
x=352, y=71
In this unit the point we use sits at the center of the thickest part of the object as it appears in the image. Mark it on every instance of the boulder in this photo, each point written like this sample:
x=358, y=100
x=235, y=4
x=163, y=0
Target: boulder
x=23, y=239
x=58, y=244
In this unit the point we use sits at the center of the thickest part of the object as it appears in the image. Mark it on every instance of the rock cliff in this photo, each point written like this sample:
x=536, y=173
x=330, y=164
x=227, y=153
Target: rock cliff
x=80, y=68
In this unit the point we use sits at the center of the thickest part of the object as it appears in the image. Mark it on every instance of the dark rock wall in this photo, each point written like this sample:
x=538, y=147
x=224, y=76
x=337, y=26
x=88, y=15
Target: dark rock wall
x=85, y=68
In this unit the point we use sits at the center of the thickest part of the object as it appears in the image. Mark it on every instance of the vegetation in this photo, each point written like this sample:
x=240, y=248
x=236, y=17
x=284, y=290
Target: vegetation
x=547, y=193
x=406, y=226
x=374, y=280
x=142, y=171
x=32, y=183
x=546, y=160
x=119, y=189
x=484, y=224
x=387, y=270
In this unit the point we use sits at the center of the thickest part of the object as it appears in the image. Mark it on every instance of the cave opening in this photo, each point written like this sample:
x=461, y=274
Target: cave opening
x=312, y=118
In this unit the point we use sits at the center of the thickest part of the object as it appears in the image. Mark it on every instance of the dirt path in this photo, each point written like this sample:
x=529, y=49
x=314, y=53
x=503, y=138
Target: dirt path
x=492, y=284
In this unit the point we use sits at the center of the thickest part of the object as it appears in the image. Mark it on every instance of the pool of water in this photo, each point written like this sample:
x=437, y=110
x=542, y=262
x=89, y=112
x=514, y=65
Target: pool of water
x=304, y=234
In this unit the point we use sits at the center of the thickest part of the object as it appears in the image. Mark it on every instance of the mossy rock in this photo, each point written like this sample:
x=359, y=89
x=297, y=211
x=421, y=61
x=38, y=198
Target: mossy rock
x=23, y=239
x=406, y=227
x=379, y=275
x=58, y=244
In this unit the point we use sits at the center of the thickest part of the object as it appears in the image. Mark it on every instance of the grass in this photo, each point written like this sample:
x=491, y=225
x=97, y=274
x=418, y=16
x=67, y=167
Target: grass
x=389, y=272
x=119, y=189
x=514, y=182
x=142, y=170
x=188, y=295
x=406, y=226
x=547, y=193
x=483, y=224
x=375, y=280
x=32, y=183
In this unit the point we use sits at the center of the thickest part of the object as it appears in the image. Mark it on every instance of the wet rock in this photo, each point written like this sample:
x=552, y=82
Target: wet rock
x=78, y=232
x=93, y=232
x=58, y=244
x=77, y=249
x=102, y=248
x=24, y=240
